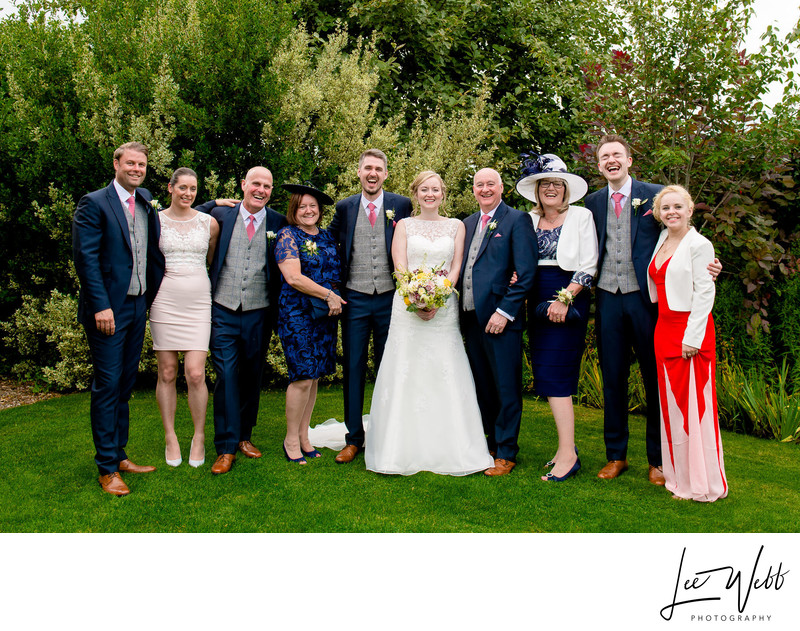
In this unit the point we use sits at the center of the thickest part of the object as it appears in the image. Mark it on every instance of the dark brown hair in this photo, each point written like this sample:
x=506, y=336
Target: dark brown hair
x=294, y=204
x=179, y=172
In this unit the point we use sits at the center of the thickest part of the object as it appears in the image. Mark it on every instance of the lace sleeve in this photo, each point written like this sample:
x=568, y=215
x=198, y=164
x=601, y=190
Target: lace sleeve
x=286, y=247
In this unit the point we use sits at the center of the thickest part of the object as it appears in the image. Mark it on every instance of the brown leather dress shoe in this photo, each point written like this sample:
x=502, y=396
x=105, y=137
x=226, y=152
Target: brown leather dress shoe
x=112, y=483
x=656, y=476
x=126, y=466
x=223, y=464
x=613, y=469
x=348, y=454
x=501, y=467
x=249, y=449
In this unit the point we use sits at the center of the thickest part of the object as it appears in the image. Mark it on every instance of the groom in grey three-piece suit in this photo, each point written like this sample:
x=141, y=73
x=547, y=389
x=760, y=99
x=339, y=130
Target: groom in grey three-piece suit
x=363, y=227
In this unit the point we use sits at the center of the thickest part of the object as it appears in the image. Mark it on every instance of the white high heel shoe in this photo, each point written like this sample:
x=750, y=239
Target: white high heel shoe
x=196, y=463
x=172, y=463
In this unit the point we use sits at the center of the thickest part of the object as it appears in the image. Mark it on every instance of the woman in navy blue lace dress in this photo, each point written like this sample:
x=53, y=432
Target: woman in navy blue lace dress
x=558, y=307
x=307, y=308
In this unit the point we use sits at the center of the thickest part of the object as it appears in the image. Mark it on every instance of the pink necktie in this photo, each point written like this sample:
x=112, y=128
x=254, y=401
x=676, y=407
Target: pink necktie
x=132, y=206
x=372, y=215
x=484, y=220
x=617, y=197
x=251, y=227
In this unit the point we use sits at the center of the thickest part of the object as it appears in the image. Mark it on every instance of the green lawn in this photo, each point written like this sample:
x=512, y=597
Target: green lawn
x=49, y=483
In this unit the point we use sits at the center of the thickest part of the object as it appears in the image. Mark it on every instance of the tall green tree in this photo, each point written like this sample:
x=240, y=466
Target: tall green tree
x=436, y=52
x=681, y=87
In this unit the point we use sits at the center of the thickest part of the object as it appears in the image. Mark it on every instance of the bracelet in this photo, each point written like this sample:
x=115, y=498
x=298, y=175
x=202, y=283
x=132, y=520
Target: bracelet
x=328, y=296
x=565, y=296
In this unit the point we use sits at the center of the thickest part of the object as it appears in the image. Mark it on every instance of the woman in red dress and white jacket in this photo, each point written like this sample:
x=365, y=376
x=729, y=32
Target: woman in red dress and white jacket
x=685, y=351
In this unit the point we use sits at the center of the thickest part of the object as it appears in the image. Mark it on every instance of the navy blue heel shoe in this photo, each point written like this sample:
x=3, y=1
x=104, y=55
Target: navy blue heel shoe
x=551, y=463
x=299, y=460
x=549, y=477
x=311, y=454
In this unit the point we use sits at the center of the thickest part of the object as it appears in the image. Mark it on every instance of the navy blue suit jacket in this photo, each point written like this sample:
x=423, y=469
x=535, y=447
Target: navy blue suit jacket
x=644, y=227
x=344, y=224
x=510, y=247
x=101, y=249
x=226, y=217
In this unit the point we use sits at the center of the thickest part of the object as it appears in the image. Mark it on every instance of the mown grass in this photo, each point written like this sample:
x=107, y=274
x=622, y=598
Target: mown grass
x=49, y=483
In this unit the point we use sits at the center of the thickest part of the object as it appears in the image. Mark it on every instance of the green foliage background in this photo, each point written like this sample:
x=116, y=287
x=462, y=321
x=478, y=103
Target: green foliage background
x=303, y=87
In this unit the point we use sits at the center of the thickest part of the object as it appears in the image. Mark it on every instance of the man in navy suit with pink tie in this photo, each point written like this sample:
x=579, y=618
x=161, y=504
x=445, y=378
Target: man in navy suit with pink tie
x=115, y=234
x=627, y=233
x=499, y=241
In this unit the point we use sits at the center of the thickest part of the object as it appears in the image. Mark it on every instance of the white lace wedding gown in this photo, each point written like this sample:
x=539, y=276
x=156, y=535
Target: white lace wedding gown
x=424, y=414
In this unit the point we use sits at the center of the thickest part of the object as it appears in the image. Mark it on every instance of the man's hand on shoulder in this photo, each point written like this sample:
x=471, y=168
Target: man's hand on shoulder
x=714, y=268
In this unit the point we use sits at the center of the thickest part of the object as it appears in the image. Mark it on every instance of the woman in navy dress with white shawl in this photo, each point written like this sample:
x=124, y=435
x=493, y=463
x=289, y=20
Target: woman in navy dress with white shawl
x=558, y=307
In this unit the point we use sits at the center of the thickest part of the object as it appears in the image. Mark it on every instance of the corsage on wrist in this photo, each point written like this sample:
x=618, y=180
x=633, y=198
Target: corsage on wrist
x=565, y=296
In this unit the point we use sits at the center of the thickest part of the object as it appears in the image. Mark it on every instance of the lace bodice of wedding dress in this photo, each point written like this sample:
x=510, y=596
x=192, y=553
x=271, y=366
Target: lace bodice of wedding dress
x=430, y=243
x=185, y=243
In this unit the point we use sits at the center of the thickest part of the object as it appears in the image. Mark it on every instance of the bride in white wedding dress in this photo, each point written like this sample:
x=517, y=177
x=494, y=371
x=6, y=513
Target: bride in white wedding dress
x=424, y=414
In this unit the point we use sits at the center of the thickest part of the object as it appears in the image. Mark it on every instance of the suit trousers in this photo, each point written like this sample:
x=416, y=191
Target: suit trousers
x=115, y=361
x=626, y=321
x=363, y=315
x=238, y=341
x=496, y=363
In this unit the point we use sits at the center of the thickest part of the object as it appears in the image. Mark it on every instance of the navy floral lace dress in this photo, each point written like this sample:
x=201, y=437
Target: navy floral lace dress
x=308, y=344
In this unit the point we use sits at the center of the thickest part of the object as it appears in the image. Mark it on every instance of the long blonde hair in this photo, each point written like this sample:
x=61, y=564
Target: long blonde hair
x=422, y=177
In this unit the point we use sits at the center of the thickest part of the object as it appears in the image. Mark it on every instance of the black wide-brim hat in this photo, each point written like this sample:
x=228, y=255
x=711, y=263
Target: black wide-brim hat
x=303, y=189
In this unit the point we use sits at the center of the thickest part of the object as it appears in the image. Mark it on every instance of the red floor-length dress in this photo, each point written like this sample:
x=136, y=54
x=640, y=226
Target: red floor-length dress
x=690, y=440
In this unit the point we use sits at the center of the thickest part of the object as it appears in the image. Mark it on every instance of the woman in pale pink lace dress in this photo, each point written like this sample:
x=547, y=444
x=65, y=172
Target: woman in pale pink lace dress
x=180, y=316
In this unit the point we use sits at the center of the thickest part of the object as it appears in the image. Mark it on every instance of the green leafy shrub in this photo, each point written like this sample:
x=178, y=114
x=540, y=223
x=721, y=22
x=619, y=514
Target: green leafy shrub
x=50, y=344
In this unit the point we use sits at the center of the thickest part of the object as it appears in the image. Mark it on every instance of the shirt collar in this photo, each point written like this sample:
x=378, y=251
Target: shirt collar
x=625, y=189
x=378, y=202
x=122, y=194
x=492, y=211
x=259, y=216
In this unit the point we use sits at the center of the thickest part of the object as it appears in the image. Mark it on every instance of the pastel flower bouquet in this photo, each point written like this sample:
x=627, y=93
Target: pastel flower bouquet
x=424, y=289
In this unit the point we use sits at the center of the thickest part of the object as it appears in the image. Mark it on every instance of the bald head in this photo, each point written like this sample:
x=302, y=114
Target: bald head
x=257, y=189
x=487, y=186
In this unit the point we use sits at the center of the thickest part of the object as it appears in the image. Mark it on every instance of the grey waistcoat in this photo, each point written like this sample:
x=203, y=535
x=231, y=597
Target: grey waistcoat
x=369, y=263
x=242, y=280
x=137, y=227
x=474, y=246
x=617, y=271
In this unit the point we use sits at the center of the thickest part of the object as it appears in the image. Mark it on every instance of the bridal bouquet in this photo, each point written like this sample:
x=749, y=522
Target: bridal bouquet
x=424, y=289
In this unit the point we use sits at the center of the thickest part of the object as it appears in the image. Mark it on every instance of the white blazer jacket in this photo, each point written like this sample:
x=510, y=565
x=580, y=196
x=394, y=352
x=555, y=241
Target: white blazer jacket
x=577, y=247
x=688, y=285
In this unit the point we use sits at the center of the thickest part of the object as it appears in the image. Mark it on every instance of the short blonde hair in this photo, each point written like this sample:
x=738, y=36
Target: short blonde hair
x=537, y=206
x=672, y=188
x=423, y=177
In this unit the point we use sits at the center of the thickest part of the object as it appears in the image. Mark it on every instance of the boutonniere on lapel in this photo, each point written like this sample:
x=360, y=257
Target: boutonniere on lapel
x=636, y=202
x=156, y=205
x=491, y=227
x=390, y=217
x=271, y=236
x=309, y=247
